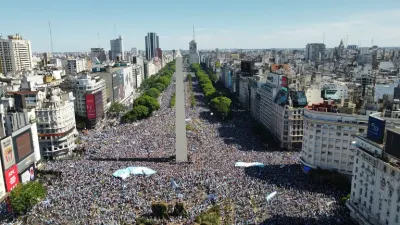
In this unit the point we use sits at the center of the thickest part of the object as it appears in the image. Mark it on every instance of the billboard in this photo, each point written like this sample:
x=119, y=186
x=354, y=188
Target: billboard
x=392, y=143
x=23, y=145
x=26, y=163
x=376, y=129
x=7, y=153
x=29, y=174
x=98, y=99
x=11, y=177
x=284, y=82
x=90, y=107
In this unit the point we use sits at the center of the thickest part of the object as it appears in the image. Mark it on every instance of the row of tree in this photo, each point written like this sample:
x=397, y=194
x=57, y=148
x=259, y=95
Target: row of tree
x=192, y=98
x=219, y=103
x=151, y=89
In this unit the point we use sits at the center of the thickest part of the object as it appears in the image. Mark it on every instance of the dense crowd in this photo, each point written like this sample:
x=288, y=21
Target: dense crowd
x=87, y=193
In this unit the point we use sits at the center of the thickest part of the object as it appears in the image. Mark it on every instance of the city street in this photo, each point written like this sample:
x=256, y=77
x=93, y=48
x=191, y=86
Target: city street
x=214, y=148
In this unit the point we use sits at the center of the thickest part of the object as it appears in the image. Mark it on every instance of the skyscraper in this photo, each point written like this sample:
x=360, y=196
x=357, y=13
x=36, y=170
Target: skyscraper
x=117, y=49
x=193, y=54
x=152, y=43
x=315, y=52
x=15, y=54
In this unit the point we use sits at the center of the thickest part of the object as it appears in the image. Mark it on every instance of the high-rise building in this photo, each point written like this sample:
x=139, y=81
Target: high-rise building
x=152, y=43
x=193, y=54
x=117, y=49
x=98, y=53
x=315, y=52
x=134, y=51
x=15, y=54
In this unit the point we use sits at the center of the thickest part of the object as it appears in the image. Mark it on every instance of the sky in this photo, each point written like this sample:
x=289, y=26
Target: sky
x=78, y=25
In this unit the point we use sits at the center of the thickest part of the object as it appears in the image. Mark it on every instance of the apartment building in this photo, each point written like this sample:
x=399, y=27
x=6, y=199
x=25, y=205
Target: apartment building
x=90, y=96
x=375, y=188
x=328, y=137
x=75, y=66
x=315, y=52
x=56, y=123
x=15, y=54
x=284, y=121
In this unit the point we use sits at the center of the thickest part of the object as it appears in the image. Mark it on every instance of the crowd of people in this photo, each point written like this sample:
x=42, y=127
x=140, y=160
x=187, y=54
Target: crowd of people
x=87, y=193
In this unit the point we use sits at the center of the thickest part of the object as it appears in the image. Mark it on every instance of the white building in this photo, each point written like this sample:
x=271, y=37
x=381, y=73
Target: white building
x=327, y=138
x=55, y=62
x=84, y=86
x=56, y=123
x=285, y=122
x=99, y=53
x=137, y=74
x=75, y=66
x=375, y=188
x=117, y=49
x=15, y=54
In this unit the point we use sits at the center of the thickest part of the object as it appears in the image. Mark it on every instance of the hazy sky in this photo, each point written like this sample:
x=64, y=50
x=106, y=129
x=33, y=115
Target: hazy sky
x=219, y=24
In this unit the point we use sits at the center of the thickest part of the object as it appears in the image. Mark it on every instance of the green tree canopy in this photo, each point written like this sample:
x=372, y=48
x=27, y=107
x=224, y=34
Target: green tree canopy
x=129, y=117
x=160, y=86
x=221, y=105
x=153, y=92
x=24, y=196
x=217, y=64
x=164, y=80
x=149, y=102
x=213, y=77
x=117, y=108
x=140, y=111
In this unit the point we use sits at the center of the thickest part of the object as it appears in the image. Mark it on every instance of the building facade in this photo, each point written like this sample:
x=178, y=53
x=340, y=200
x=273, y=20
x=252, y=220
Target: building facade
x=151, y=44
x=56, y=123
x=15, y=54
x=99, y=53
x=283, y=121
x=90, y=97
x=315, y=52
x=328, y=137
x=117, y=49
x=75, y=66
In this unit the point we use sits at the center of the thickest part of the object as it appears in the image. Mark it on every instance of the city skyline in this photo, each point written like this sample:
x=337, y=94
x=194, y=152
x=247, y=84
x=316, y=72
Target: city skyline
x=263, y=25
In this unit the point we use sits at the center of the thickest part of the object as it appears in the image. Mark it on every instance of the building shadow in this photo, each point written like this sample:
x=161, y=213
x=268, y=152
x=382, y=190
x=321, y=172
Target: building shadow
x=292, y=177
x=325, y=220
x=170, y=159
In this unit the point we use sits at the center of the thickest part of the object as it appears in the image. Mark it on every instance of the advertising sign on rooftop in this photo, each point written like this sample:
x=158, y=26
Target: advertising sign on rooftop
x=376, y=129
x=23, y=144
x=7, y=152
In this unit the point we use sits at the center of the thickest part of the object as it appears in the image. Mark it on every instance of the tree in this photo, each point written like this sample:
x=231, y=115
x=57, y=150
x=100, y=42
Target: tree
x=148, y=101
x=160, y=86
x=213, y=77
x=129, y=117
x=221, y=105
x=164, y=80
x=24, y=196
x=140, y=111
x=153, y=92
x=117, y=108
x=217, y=64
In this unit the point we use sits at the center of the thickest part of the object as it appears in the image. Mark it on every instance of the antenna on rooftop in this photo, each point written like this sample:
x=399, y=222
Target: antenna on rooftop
x=323, y=38
x=115, y=30
x=372, y=42
x=194, y=35
x=347, y=39
x=98, y=39
x=51, y=38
